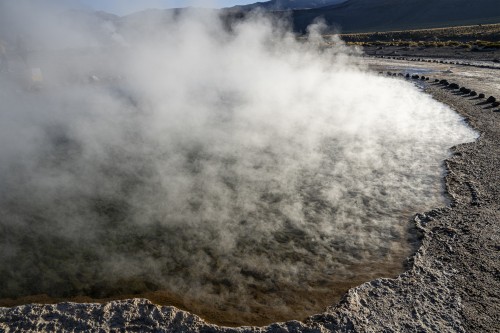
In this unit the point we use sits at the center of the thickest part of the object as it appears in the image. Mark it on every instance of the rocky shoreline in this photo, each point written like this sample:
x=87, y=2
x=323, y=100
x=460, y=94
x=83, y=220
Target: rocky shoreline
x=452, y=283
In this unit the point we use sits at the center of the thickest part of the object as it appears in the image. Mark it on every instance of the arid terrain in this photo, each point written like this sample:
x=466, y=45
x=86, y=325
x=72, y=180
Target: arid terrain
x=455, y=44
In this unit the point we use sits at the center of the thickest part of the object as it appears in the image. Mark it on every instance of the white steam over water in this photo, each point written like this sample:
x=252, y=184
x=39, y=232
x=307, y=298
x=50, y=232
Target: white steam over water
x=171, y=153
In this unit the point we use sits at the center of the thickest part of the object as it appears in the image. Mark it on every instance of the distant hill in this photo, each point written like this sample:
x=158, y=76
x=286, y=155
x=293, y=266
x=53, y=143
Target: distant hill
x=386, y=15
x=346, y=16
x=291, y=4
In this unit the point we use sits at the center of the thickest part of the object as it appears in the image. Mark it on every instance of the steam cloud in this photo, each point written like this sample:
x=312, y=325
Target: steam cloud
x=173, y=153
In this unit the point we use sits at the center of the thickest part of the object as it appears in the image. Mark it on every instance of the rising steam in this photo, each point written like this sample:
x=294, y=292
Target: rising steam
x=171, y=152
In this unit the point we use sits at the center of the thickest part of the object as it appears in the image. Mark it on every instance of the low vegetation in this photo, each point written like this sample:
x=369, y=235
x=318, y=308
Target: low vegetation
x=479, y=36
x=402, y=43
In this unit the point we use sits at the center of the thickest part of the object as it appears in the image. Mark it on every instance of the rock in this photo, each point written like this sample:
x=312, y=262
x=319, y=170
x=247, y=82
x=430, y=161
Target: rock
x=491, y=99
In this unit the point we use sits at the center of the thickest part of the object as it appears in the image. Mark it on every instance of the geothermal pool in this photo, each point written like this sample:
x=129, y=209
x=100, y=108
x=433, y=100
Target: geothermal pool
x=254, y=184
x=238, y=224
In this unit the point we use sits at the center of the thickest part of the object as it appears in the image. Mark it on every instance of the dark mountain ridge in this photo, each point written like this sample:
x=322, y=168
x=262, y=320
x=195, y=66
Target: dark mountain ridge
x=290, y=4
x=386, y=15
x=355, y=16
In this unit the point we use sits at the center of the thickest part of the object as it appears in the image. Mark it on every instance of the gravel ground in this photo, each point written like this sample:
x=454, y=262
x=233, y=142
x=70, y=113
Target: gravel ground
x=490, y=56
x=452, y=283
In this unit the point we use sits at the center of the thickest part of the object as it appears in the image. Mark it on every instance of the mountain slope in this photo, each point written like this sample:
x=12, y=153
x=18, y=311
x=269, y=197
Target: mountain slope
x=385, y=15
x=290, y=4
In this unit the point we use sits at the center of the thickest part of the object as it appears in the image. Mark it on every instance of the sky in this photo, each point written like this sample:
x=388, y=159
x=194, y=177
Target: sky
x=123, y=7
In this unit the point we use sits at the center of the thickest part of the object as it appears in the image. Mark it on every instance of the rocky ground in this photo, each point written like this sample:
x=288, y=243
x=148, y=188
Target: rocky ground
x=464, y=56
x=454, y=44
x=452, y=283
